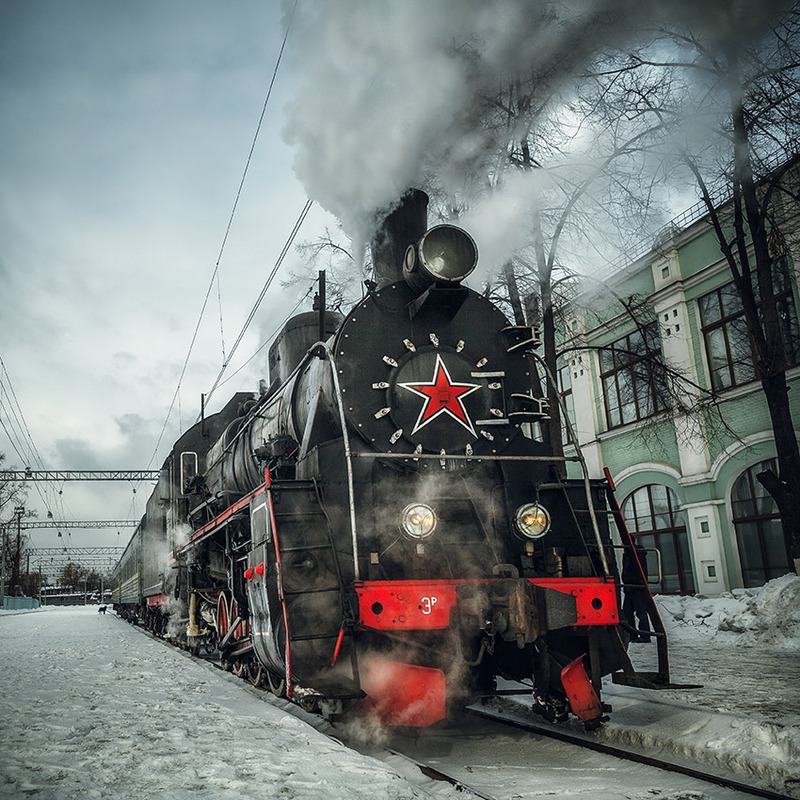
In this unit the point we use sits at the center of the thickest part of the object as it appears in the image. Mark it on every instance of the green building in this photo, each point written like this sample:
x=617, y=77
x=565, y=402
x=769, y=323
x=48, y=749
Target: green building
x=686, y=483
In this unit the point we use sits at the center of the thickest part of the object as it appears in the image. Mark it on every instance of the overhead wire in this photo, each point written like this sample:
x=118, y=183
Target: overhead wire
x=19, y=435
x=215, y=273
x=21, y=439
x=297, y=225
x=269, y=339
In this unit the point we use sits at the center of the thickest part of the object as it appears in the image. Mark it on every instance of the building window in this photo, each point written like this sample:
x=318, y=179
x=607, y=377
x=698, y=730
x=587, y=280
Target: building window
x=565, y=390
x=759, y=533
x=731, y=357
x=632, y=387
x=653, y=517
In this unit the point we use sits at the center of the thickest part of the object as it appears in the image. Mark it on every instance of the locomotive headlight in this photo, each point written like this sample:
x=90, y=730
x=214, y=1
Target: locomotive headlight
x=419, y=520
x=448, y=253
x=533, y=520
x=445, y=254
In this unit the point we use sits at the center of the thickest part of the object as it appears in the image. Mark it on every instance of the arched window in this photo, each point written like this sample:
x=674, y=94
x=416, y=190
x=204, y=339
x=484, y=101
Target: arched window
x=653, y=516
x=759, y=533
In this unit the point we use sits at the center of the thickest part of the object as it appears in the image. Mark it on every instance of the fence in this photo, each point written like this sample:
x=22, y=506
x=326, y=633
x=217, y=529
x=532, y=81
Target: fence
x=19, y=603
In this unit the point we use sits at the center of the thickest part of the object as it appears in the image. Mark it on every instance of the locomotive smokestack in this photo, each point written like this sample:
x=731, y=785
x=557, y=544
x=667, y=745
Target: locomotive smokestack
x=404, y=225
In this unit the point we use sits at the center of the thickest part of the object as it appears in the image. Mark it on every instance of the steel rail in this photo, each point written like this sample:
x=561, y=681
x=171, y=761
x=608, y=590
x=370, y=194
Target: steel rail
x=438, y=775
x=297, y=710
x=639, y=758
x=550, y=732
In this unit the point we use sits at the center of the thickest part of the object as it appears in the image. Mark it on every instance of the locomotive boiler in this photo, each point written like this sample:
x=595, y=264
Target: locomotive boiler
x=382, y=529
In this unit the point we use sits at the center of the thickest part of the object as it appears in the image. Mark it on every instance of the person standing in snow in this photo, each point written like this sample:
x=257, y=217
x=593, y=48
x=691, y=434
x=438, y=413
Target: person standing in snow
x=634, y=581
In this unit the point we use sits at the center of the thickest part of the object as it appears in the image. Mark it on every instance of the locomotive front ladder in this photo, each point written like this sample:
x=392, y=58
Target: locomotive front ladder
x=302, y=529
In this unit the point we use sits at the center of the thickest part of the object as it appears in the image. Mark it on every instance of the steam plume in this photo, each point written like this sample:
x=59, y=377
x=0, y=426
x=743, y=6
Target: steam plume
x=391, y=91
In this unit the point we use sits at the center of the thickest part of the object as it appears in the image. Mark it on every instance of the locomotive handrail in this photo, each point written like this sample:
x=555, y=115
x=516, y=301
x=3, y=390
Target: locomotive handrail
x=348, y=455
x=579, y=457
x=460, y=457
x=281, y=589
x=662, y=649
x=262, y=403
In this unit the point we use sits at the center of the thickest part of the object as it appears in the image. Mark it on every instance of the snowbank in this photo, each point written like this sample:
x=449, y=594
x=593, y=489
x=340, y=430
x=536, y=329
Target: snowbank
x=769, y=614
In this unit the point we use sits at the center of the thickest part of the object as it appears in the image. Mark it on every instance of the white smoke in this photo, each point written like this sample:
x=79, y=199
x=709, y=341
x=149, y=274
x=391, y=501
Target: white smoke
x=390, y=93
x=500, y=220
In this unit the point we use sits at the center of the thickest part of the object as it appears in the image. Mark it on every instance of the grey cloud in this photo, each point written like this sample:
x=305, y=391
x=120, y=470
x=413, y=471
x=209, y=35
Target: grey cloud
x=77, y=453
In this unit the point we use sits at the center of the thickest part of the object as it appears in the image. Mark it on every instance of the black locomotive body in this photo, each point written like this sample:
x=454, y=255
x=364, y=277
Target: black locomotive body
x=382, y=530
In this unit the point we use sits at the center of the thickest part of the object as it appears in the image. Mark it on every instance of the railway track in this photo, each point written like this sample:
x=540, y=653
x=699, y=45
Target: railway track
x=498, y=713
x=688, y=781
x=494, y=712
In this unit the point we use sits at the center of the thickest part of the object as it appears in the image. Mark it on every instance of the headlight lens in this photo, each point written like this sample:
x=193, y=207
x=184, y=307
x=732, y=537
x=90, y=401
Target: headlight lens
x=533, y=520
x=419, y=520
x=447, y=253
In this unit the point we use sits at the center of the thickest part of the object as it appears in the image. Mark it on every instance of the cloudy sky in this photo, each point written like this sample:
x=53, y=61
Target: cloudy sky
x=125, y=131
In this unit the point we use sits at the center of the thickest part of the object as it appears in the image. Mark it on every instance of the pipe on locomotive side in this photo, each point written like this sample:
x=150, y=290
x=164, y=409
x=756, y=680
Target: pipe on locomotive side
x=278, y=425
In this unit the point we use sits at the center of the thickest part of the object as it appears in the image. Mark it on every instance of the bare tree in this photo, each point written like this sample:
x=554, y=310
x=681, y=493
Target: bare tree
x=12, y=493
x=331, y=252
x=72, y=575
x=587, y=185
x=727, y=107
x=12, y=496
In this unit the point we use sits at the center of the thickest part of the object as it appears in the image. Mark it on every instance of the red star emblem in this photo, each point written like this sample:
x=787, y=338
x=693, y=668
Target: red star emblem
x=442, y=396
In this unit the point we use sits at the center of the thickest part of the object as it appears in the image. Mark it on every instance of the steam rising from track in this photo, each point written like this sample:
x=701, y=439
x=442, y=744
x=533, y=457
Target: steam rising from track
x=391, y=92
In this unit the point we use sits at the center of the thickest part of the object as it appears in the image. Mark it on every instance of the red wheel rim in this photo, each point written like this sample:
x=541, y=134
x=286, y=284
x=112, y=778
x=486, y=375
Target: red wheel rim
x=223, y=620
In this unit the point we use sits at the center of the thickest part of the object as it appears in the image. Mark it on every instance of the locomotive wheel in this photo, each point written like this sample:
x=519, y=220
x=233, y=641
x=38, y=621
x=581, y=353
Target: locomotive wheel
x=239, y=668
x=223, y=620
x=255, y=672
x=276, y=684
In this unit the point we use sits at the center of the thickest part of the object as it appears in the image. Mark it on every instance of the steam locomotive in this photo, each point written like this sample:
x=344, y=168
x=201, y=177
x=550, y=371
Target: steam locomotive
x=381, y=530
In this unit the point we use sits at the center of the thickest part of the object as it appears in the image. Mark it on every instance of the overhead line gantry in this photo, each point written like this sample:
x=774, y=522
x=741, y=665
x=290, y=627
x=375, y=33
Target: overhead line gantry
x=32, y=524
x=80, y=475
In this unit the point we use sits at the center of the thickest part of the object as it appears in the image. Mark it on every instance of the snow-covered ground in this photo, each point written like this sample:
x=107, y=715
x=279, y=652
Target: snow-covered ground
x=91, y=708
x=744, y=648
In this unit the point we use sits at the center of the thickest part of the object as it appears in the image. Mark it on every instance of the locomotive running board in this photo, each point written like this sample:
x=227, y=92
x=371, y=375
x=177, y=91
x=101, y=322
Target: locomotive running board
x=649, y=680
